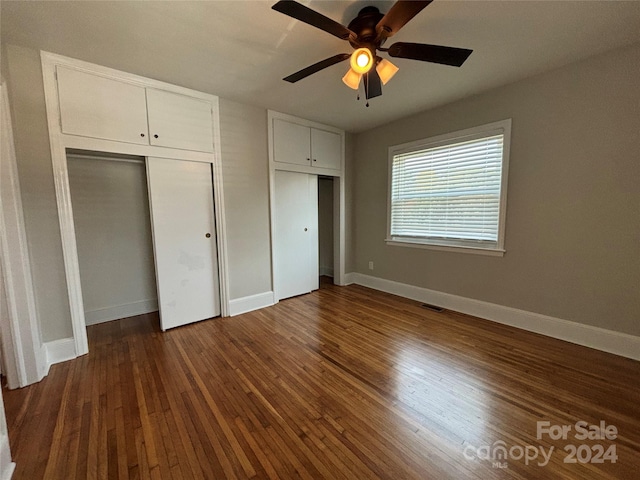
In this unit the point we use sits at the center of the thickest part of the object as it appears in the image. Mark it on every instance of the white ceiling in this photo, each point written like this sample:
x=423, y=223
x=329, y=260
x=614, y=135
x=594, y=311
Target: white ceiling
x=241, y=50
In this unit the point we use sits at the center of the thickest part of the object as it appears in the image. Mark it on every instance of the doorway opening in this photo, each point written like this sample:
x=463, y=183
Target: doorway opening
x=308, y=232
x=325, y=229
x=145, y=237
x=113, y=235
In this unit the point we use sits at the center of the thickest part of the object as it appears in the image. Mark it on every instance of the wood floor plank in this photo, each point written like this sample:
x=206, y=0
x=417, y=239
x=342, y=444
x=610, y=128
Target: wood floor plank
x=342, y=383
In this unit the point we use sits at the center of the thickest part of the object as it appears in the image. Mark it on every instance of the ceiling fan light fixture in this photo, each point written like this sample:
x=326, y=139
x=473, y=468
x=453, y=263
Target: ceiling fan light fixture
x=386, y=70
x=367, y=33
x=352, y=79
x=361, y=60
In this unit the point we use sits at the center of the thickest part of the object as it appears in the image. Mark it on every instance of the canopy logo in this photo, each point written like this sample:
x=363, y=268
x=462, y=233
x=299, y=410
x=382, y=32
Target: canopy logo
x=499, y=452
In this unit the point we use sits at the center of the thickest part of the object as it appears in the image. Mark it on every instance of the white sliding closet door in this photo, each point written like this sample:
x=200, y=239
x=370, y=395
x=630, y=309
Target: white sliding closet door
x=296, y=233
x=184, y=240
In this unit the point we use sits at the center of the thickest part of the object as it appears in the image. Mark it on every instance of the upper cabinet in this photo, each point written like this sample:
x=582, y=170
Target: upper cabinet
x=326, y=149
x=179, y=121
x=291, y=143
x=99, y=107
x=299, y=144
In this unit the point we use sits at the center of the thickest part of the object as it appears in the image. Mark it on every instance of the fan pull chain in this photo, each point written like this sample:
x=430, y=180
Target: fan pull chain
x=366, y=90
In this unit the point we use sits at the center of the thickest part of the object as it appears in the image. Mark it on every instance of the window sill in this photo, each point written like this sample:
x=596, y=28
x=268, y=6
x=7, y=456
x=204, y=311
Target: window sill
x=494, y=252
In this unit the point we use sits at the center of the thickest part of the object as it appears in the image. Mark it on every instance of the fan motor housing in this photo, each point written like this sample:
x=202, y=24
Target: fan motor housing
x=364, y=26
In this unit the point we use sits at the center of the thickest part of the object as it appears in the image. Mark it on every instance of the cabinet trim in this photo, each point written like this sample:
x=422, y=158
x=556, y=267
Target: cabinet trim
x=93, y=69
x=60, y=142
x=301, y=121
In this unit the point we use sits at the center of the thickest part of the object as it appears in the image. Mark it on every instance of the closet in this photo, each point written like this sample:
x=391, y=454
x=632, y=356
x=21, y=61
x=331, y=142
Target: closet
x=144, y=237
x=296, y=233
x=307, y=214
x=174, y=258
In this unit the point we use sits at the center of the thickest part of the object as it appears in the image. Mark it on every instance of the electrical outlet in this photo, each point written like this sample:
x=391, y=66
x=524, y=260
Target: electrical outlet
x=370, y=265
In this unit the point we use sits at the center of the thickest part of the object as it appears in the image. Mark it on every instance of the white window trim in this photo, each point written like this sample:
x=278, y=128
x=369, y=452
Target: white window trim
x=502, y=126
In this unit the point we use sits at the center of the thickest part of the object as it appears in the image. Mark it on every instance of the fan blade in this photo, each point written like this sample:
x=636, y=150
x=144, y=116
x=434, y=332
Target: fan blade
x=372, y=84
x=397, y=17
x=316, y=67
x=305, y=14
x=430, y=53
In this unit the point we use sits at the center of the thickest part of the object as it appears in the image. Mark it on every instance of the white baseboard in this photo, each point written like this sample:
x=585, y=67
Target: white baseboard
x=350, y=278
x=43, y=369
x=6, y=465
x=250, y=303
x=117, y=312
x=60, y=351
x=326, y=271
x=610, y=341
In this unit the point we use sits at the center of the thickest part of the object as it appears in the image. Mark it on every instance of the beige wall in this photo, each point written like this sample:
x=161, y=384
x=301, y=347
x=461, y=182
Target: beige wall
x=245, y=161
x=573, y=212
x=113, y=233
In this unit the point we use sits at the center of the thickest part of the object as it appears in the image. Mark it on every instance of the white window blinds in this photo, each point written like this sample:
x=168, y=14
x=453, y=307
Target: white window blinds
x=449, y=192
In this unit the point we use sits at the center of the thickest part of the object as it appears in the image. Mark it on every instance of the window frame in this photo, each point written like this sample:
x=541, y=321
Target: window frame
x=467, y=246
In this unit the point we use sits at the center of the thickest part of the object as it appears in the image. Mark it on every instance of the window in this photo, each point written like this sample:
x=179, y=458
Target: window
x=449, y=192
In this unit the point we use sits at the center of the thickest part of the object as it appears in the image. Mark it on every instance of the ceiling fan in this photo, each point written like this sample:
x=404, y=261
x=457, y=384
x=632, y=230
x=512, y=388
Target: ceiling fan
x=367, y=34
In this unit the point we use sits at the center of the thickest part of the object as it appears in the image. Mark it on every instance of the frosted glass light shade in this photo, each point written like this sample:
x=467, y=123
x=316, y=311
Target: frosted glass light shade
x=352, y=79
x=386, y=70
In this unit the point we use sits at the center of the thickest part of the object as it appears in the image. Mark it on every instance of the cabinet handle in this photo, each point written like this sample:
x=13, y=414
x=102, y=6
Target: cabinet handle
x=208, y=235
x=305, y=229
x=308, y=159
x=155, y=136
x=315, y=160
x=142, y=134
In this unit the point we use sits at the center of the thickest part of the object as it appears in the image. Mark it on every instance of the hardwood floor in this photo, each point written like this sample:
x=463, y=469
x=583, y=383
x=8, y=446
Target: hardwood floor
x=343, y=383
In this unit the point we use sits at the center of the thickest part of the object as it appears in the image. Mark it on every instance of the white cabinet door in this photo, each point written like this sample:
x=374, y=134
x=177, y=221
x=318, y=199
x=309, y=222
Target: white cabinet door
x=296, y=233
x=94, y=106
x=326, y=149
x=291, y=143
x=178, y=121
x=184, y=240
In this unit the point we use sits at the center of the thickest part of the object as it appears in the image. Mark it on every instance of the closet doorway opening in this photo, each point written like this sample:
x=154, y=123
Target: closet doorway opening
x=307, y=232
x=113, y=235
x=326, y=258
x=145, y=237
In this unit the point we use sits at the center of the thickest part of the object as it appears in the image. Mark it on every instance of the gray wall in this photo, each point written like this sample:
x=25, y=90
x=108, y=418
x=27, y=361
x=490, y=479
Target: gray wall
x=245, y=162
x=573, y=211
x=113, y=234
x=31, y=136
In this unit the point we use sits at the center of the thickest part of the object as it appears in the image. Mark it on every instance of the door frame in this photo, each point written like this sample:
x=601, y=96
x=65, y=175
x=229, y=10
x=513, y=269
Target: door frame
x=339, y=197
x=23, y=350
x=60, y=142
